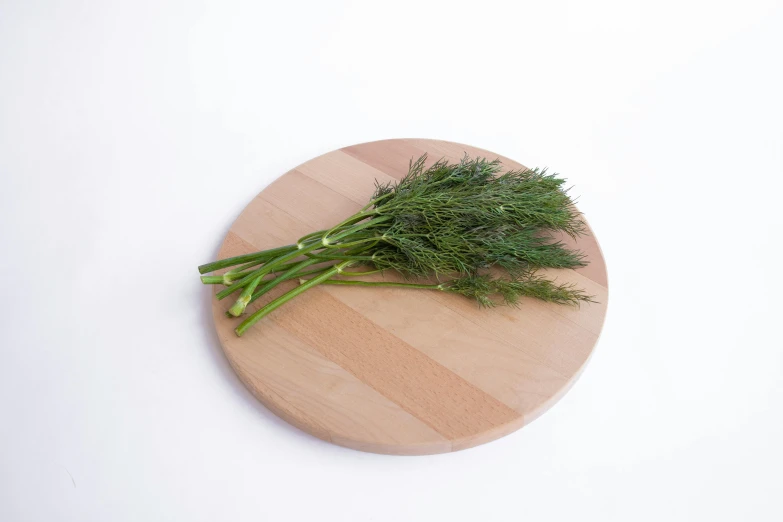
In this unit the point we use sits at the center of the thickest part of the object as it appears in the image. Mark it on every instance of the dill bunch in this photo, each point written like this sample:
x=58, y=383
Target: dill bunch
x=451, y=222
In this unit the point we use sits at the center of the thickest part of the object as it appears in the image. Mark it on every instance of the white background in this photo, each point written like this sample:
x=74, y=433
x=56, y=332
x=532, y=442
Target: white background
x=132, y=134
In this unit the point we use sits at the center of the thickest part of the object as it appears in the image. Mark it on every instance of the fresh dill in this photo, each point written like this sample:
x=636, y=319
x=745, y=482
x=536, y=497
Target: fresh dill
x=459, y=224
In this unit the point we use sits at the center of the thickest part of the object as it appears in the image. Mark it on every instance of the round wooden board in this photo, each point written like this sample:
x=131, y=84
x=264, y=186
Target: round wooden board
x=392, y=370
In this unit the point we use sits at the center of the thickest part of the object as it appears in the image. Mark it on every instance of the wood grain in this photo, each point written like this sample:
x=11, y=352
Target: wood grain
x=392, y=370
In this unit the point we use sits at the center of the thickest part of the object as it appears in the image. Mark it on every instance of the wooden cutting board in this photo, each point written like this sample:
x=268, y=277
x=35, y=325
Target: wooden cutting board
x=390, y=370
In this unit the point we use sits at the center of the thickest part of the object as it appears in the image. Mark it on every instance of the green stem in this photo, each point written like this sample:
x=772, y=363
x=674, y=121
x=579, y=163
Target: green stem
x=382, y=283
x=291, y=273
x=330, y=257
x=357, y=274
x=238, y=260
x=354, y=243
x=357, y=250
x=286, y=266
x=267, y=268
x=311, y=235
x=359, y=216
x=326, y=240
x=231, y=276
x=212, y=280
x=302, y=249
x=244, y=267
x=308, y=272
x=258, y=293
x=348, y=255
x=319, y=234
x=244, y=298
x=220, y=280
x=280, y=301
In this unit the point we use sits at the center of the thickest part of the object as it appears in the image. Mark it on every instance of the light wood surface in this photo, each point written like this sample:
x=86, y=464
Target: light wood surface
x=392, y=370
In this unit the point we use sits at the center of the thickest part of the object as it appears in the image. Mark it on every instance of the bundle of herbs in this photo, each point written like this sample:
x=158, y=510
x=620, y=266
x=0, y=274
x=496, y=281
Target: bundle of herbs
x=466, y=228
